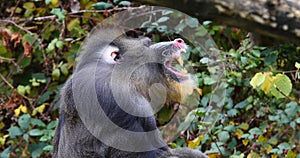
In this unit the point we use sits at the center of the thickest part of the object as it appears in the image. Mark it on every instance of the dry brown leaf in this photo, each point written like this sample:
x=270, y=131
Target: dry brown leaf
x=6, y=34
x=27, y=49
x=17, y=38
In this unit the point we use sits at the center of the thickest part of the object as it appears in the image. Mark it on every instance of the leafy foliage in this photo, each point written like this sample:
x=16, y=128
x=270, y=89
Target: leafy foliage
x=38, y=44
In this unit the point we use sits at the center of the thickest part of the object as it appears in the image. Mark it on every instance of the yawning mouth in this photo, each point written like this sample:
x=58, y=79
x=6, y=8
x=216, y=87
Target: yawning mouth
x=172, y=68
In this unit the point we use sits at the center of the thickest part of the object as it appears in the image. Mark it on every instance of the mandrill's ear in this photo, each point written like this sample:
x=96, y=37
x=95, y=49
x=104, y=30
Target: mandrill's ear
x=110, y=54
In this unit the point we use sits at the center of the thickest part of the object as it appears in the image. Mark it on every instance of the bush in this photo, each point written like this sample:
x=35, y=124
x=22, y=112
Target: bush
x=261, y=115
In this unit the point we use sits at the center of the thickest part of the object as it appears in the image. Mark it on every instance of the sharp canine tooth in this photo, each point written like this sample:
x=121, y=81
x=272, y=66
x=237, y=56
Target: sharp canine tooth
x=184, y=51
x=180, y=61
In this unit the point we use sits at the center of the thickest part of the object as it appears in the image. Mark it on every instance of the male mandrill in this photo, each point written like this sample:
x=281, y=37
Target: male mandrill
x=108, y=105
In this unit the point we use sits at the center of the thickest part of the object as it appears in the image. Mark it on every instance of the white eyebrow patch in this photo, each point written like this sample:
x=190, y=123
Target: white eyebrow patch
x=109, y=54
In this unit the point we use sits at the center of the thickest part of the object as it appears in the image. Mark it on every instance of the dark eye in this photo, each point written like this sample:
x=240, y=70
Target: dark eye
x=115, y=55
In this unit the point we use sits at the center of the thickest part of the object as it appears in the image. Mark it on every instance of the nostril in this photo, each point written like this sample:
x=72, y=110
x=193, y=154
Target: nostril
x=179, y=42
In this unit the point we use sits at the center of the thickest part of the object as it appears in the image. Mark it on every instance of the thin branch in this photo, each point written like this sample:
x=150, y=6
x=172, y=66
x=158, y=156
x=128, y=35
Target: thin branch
x=13, y=12
x=21, y=28
x=18, y=26
x=3, y=78
x=12, y=87
x=287, y=97
x=42, y=92
x=51, y=17
x=52, y=105
x=7, y=59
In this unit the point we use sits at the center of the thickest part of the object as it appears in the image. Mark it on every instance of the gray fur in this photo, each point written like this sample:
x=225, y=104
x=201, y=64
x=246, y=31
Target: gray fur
x=73, y=139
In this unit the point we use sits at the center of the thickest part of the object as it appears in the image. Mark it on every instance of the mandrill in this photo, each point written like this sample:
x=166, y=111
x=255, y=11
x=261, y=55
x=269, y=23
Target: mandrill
x=107, y=107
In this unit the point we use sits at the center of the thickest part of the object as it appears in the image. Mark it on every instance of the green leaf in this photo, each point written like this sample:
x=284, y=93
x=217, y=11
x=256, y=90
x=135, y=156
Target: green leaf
x=187, y=122
x=298, y=120
x=163, y=19
x=273, y=141
x=59, y=44
x=297, y=65
x=39, y=76
x=293, y=125
x=47, y=2
x=230, y=128
x=28, y=5
x=291, y=109
x=192, y=22
x=257, y=80
x=45, y=97
x=72, y=24
x=37, y=122
x=255, y=52
x=209, y=80
x=254, y=155
x=6, y=152
x=166, y=12
x=51, y=45
x=242, y=104
x=28, y=89
x=244, y=126
x=255, y=130
x=52, y=125
x=59, y=13
x=284, y=119
x=29, y=38
x=24, y=121
x=29, y=8
x=21, y=89
x=26, y=137
x=14, y=131
x=284, y=146
x=36, y=149
x=223, y=136
x=282, y=86
x=205, y=60
x=45, y=138
x=232, y=112
x=56, y=74
x=101, y=5
x=180, y=27
x=273, y=118
x=35, y=132
x=124, y=3
x=200, y=31
x=232, y=144
x=48, y=148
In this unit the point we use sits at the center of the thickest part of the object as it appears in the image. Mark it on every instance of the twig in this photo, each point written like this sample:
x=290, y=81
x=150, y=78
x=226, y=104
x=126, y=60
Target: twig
x=215, y=143
x=287, y=97
x=45, y=18
x=7, y=59
x=12, y=87
x=21, y=28
x=51, y=106
x=13, y=12
x=42, y=92
x=3, y=78
x=18, y=26
x=51, y=17
x=86, y=17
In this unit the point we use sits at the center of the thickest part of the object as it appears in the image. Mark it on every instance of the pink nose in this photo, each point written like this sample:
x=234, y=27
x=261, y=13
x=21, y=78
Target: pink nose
x=179, y=43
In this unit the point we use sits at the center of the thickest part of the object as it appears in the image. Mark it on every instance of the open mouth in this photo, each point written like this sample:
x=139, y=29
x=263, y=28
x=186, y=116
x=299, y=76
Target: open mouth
x=174, y=65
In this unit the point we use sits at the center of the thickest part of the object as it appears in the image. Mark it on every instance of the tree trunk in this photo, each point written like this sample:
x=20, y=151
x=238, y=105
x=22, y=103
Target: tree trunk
x=278, y=19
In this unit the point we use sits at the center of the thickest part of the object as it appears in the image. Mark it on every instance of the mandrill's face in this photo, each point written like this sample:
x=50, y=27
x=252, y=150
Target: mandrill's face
x=147, y=64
